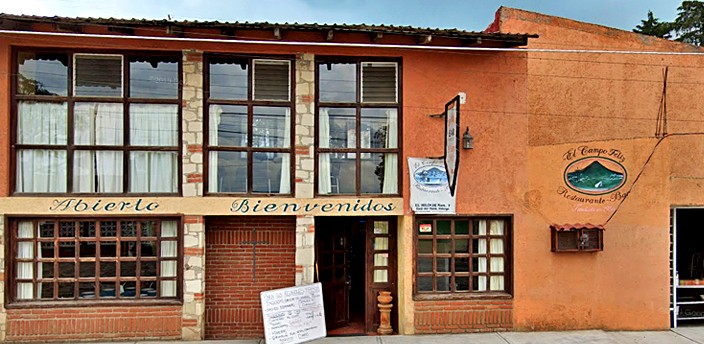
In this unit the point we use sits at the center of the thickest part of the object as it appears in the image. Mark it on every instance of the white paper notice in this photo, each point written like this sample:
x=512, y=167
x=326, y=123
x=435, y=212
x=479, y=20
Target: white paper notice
x=293, y=315
x=430, y=191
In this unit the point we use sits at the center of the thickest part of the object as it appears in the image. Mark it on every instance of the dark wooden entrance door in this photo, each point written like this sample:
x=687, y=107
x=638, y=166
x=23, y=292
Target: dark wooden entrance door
x=381, y=269
x=333, y=274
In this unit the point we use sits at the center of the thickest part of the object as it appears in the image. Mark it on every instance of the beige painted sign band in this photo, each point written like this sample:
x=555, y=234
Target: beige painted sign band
x=199, y=206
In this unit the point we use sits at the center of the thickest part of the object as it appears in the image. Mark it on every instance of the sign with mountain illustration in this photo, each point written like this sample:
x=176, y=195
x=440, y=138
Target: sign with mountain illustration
x=430, y=189
x=595, y=175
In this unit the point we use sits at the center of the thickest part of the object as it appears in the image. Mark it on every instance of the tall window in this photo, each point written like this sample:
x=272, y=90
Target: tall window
x=357, y=143
x=96, y=123
x=462, y=255
x=249, y=125
x=88, y=259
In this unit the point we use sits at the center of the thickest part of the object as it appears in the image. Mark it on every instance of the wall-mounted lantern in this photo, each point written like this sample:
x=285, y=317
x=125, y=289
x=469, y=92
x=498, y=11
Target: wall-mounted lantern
x=467, y=140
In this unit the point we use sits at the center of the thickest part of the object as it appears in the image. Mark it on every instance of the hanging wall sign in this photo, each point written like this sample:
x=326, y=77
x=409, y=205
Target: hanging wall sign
x=430, y=190
x=452, y=141
x=594, y=175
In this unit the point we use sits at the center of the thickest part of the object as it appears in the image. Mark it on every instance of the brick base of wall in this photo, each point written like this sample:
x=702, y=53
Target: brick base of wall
x=93, y=323
x=460, y=316
x=232, y=305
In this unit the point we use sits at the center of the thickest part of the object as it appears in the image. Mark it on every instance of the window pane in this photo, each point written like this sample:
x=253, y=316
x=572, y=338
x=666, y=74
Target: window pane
x=25, y=291
x=67, y=229
x=227, y=172
x=67, y=249
x=168, y=268
x=461, y=264
x=271, y=127
x=227, y=125
x=497, y=264
x=128, y=249
x=168, y=288
x=46, y=290
x=381, y=276
x=25, y=250
x=108, y=249
x=154, y=125
x=381, y=259
x=444, y=246
x=425, y=283
x=338, y=82
x=425, y=264
x=42, y=74
x=46, y=270
x=496, y=227
x=97, y=171
x=271, y=173
x=149, y=248
x=443, y=283
x=444, y=227
x=461, y=283
x=461, y=246
x=42, y=123
x=381, y=227
x=379, y=82
x=87, y=249
x=46, y=229
x=149, y=269
x=375, y=177
x=128, y=228
x=128, y=289
x=381, y=244
x=67, y=270
x=107, y=290
x=271, y=80
x=25, y=270
x=153, y=171
x=41, y=170
x=87, y=269
x=425, y=246
x=228, y=79
x=337, y=128
x=25, y=230
x=168, y=229
x=108, y=228
x=336, y=174
x=47, y=249
x=497, y=282
x=461, y=227
x=154, y=77
x=496, y=246
x=168, y=249
x=107, y=269
x=442, y=264
x=128, y=269
x=98, y=75
x=98, y=124
x=86, y=229
x=379, y=128
x=149, y=228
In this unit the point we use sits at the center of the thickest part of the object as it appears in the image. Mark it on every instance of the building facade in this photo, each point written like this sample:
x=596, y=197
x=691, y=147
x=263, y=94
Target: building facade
x=156, y=176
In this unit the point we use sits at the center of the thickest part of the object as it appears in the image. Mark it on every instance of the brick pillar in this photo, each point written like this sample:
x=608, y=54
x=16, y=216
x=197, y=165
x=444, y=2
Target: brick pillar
x=305, y=165
x=193, y=278
x=192, y=134
x=3, y=313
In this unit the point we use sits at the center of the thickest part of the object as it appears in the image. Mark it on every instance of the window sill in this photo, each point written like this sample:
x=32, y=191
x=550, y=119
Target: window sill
x=91, y=303
x=462, y=296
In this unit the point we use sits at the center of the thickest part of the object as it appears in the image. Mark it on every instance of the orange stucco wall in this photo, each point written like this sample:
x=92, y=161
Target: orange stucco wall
x=608, y=101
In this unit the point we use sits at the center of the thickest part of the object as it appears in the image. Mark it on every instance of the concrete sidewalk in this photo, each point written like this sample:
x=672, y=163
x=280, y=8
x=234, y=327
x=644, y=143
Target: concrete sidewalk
x=682, y=335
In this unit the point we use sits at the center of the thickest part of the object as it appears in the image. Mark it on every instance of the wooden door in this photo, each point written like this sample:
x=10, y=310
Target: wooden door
x=333, y=275
x=381, y=268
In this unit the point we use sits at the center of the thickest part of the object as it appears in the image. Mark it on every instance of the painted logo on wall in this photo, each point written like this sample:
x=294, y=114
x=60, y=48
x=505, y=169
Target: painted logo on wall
x=595, y=175
x=431, y=176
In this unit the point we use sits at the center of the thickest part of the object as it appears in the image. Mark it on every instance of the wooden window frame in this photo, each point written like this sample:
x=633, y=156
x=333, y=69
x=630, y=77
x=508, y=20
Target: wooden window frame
x=11, y=300
x=71, y=99
x=250, y=103
x=507, y=238
x=358, y=105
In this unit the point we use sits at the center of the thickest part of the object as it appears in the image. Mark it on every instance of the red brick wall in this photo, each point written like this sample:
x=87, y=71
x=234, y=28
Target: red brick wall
x=92, y=323
x=232, y=308
x=458, y=316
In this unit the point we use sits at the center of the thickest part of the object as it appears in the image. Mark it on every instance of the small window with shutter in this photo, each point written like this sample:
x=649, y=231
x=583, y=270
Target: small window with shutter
x=379, y=82
x=271, y=80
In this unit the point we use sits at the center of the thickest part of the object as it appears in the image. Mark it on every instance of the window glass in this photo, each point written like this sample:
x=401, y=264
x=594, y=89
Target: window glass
x=101, y=267
x=154, y=125
x=43, y=74
x=341, y=171
x=154, y=77
x=338, y=82
x=228, y=78
x=98, y=124
x=42, y=123
x=98, y=75
x=228, y=125
x=339, y=129
x=270, y=126
x=97, y=171
x=153, y=172
x=270, y=172
x=375, y=124
x=227, y=171
x=41, y=170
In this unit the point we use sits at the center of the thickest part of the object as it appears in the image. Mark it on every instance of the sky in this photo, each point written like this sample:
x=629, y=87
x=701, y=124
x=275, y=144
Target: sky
x=473, y=15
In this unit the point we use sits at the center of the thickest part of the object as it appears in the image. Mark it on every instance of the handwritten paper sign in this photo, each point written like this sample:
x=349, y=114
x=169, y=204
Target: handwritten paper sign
x=293, y=315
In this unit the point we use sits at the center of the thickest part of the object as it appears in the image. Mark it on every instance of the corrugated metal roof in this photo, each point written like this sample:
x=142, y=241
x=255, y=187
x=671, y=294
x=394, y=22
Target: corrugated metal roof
x=354, y=28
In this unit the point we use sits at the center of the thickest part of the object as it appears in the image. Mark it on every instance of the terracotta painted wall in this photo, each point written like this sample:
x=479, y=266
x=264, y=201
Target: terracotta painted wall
x=604, y=101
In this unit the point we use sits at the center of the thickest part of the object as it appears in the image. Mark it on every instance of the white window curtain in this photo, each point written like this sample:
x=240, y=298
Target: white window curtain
x=98, y=124
x=168, y=250
x=153, y=125
x=41, y=170
x=285, y=180
x=390, y=185
x=213, y=125
x=324, y=175
x=25, y=250
x=481, y=249
x=496, y=227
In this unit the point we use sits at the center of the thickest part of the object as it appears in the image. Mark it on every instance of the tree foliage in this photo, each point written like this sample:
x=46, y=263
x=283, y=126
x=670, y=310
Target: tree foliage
x=688, y=27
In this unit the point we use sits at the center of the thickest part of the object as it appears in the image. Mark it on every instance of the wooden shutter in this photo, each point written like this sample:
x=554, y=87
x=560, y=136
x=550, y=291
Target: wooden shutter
x=271, y=80
x=379, y=82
